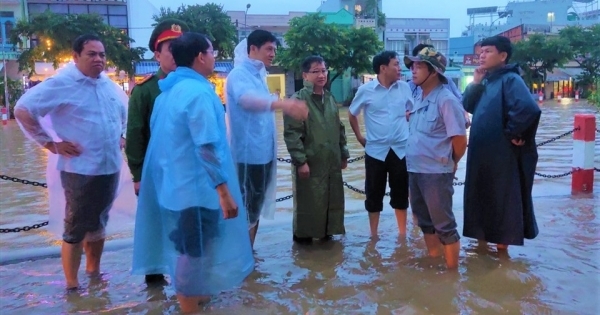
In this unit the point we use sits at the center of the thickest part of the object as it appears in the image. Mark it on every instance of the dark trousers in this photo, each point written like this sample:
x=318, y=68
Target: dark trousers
x=377, y=175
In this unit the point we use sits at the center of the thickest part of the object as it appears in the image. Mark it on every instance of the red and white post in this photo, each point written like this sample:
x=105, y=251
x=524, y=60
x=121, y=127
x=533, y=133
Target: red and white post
x=582, y=181
x=540, y=97
x=4, y=116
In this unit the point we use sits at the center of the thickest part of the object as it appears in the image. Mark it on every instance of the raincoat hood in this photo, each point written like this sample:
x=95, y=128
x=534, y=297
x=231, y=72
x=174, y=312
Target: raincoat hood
x=242, y=59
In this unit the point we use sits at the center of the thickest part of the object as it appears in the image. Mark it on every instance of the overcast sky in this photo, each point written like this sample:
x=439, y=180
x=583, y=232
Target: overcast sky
x=456, y=10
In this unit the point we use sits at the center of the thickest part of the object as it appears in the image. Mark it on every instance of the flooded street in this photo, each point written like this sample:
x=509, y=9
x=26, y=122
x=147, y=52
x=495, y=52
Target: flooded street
x=557, y=273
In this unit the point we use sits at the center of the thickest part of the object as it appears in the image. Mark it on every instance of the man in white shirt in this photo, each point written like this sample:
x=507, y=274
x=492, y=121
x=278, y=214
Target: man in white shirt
x=88, y=115
x=384, y=102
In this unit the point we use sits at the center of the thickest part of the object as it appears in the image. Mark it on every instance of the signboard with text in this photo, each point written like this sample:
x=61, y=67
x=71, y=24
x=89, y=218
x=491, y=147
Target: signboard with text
x=471, y=60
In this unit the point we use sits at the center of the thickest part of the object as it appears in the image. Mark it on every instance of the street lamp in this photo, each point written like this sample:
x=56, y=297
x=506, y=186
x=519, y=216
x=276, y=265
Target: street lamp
x=550, y=19
x=246, y=19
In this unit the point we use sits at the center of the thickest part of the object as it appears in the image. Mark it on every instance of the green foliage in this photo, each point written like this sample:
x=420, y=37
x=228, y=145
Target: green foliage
x=372, y=11
x=585, y=50
x=56, y=33
x=15, y=91
x=342, y=48
x=540, y=54
x=208, y=19
x=594, y=97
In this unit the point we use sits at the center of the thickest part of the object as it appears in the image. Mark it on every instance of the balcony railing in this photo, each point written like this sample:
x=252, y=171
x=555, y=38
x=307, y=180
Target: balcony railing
x=365, y=23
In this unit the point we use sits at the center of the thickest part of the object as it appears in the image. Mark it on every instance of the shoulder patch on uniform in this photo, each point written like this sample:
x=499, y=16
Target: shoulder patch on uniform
x=146, y=79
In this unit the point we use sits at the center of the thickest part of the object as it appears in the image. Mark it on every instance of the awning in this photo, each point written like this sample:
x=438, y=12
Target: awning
x=557, y=75
x=573, y=72
x=146, y=67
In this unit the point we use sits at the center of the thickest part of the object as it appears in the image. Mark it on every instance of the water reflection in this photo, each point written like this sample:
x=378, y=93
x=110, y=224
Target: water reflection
x=557, y=273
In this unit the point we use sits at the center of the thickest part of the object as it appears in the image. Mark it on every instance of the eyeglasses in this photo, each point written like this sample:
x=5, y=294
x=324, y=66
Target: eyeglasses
x=324, y=72
x=215, y=53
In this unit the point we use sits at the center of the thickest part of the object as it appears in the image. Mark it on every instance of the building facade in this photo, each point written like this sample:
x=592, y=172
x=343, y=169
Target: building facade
x=11, y=11
x=278, y=24
x=404, y=34
x=365, y=12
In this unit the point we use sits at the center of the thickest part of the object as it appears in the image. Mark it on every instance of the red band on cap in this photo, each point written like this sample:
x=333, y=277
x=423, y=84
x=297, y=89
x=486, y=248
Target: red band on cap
x=166, y=35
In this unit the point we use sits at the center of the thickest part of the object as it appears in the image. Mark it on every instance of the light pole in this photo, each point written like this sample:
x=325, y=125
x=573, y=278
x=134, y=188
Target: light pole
x=246, y=19
x=5, y=85
x=550, y=20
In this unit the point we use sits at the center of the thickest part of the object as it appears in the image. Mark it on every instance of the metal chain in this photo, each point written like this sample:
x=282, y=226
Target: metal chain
x=25, y=228
x=349, y=160
x=558, y=137
x=284, y=198
x=23, y=181
x=554, y=176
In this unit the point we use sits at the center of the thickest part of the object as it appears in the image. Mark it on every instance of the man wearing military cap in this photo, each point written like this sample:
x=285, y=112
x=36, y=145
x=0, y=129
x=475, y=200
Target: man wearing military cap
x=141, y=103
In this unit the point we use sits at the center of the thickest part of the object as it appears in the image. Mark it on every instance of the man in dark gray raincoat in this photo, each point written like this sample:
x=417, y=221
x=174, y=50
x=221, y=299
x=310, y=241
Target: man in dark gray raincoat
x=502, y=154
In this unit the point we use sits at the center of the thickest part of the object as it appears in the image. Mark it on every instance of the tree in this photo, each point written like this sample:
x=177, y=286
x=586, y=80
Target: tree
x=584, y=51
x=342, y=48
x=208, y=19
x=55, y=34
x=539, y=55
x=15, y=91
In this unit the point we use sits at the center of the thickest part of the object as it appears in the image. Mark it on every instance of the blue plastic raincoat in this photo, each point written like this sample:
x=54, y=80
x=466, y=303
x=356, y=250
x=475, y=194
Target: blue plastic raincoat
x=181, y=230
x=252, y=132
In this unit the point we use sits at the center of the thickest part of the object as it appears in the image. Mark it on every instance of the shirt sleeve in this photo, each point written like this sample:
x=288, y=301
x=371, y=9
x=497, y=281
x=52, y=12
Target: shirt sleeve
x=294, y=132
x=202, y=123
x=242, y=86
x=453, y=117
x=35, y=103
x=359, y=100
x=472, y=96
x=522, y=110
x=454, y=89
x=137, y=138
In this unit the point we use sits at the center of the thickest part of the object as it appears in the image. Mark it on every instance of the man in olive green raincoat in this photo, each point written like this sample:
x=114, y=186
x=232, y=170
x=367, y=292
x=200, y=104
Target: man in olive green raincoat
x=318, y=150
x=141, y=103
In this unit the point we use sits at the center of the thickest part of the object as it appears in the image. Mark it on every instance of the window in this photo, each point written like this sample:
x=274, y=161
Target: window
x=8, y=14
x=8, y=27
x=395, y=45
x=78, y=9
x=59, y=8
x=117, y=10
x=37, y=8
x=99, y=8
x=118, y=21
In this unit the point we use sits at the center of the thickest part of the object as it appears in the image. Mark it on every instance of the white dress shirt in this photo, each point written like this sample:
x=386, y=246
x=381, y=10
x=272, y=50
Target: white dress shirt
x=385, y=117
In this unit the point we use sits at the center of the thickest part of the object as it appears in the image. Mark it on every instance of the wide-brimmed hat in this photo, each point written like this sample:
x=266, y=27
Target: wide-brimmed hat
x=432, y=57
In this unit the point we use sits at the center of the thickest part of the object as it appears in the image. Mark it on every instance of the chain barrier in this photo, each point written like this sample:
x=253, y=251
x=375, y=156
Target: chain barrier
x=554, y=176
x=23, y=181
x=558, y=137
x=25, y=228
x=288, y=160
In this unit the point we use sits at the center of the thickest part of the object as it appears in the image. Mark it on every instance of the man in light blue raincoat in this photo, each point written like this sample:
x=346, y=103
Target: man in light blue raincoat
x=200, y=237
x=250, y=107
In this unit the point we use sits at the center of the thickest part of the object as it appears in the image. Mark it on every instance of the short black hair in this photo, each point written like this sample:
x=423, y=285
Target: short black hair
x=383, y=59
x=308, y=61
x=501, y=43
x=260, y=37
x=420, y=47
x=187, y=47
x=81, y=40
